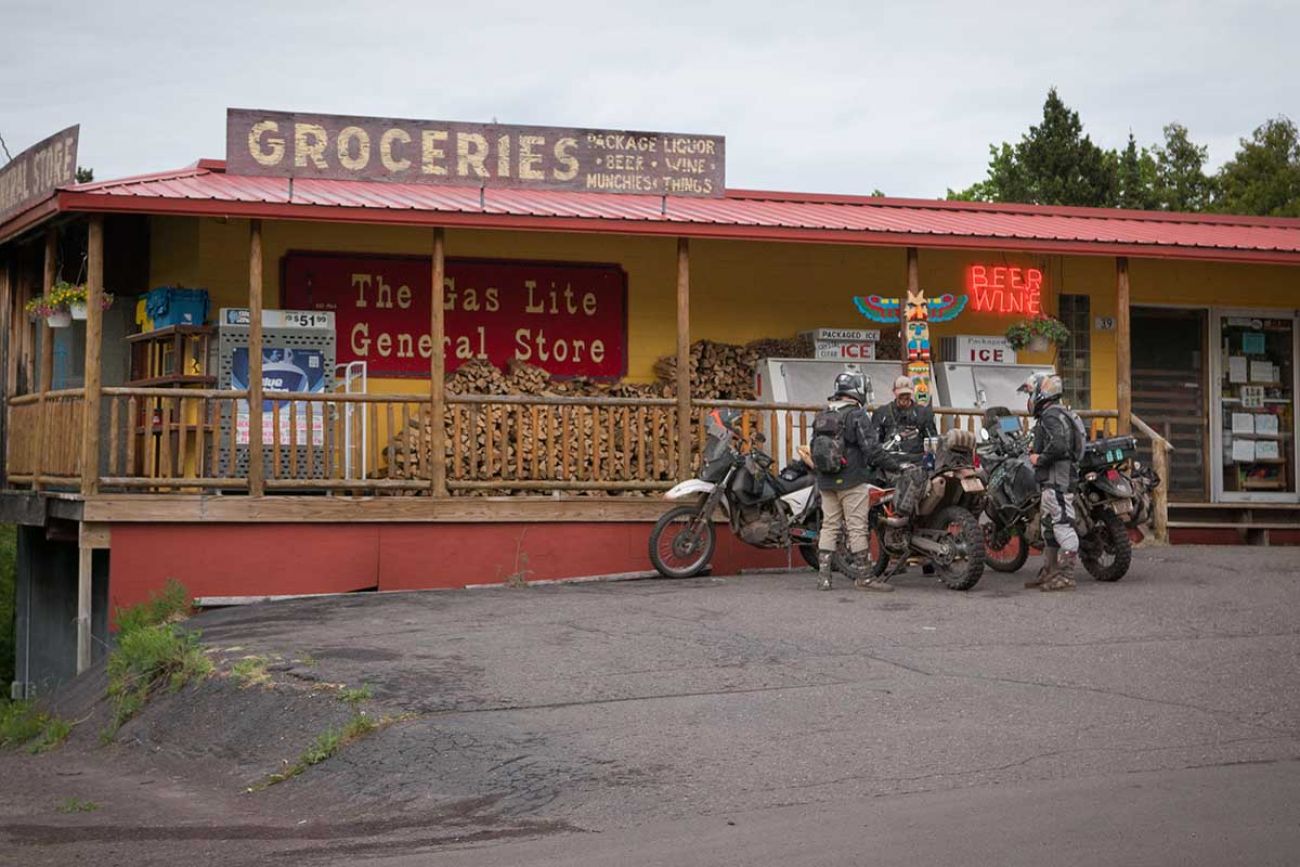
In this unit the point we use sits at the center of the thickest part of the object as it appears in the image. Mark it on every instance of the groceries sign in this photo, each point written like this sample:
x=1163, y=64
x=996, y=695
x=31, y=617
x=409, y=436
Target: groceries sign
x=288, y=144
x=568, y=319
x=34, y=175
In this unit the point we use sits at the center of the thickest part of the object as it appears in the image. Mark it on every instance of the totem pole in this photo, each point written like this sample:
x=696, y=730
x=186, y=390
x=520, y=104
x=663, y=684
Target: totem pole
x=916, y=316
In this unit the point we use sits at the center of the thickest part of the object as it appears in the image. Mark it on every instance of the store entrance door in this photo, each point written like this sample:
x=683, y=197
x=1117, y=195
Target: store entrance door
x=1255, y=385
x=1169, y=392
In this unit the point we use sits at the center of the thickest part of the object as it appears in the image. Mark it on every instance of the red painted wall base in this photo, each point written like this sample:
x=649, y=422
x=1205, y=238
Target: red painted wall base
x=287, y=559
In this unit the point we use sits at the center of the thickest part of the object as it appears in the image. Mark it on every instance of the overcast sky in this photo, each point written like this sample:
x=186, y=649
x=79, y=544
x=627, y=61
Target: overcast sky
x=836, y=97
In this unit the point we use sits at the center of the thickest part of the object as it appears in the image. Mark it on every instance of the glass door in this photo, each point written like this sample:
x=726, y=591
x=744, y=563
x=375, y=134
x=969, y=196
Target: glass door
x=1255, y=392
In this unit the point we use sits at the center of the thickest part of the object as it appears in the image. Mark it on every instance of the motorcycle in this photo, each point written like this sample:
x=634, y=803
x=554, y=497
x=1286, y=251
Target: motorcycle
x=763, y=510
x=930, y=514
x=1103, y=495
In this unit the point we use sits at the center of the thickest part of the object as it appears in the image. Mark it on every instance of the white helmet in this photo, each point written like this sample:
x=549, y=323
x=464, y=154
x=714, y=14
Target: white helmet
x=1043, y=389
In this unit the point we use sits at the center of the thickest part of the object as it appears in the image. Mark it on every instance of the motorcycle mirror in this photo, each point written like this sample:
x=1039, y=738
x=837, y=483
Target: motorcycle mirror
x=984, y=435
x=759, y=437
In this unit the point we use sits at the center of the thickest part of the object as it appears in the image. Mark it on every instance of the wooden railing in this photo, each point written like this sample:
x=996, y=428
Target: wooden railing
x=1160, y=449
x=45, y=439
x=190, y=440
x=170, y=438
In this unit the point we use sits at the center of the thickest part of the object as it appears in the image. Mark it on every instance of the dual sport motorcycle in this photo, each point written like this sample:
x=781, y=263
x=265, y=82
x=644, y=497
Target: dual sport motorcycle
x=763, y=510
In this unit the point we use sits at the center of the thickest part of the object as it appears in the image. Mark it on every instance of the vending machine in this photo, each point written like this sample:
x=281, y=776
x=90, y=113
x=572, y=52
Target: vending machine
x=297, y=356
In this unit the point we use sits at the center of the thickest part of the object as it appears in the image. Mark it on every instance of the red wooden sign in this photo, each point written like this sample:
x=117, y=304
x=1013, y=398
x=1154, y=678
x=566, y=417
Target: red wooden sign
x=568, y=319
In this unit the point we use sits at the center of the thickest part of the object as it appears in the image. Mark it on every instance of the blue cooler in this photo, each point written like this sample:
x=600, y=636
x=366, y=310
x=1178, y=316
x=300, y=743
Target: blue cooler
x=172, y=305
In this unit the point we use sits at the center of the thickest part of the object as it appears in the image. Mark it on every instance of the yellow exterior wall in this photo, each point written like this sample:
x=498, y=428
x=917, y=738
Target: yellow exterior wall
x=740, y=290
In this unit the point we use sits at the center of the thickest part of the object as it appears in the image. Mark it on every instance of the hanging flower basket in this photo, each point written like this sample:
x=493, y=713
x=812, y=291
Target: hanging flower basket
x=1038, y=334
x=64, y=303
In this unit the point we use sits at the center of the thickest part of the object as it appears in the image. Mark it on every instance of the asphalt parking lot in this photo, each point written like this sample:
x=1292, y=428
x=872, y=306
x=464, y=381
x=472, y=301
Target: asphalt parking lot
x=1156, y=720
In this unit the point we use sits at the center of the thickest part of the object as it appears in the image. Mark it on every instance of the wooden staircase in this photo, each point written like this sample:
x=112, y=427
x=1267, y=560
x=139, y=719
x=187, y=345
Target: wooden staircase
x=1234, y=523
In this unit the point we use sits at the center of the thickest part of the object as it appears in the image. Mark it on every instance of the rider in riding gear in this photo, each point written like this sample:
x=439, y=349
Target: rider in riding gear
x=1058, y=442
x=844, y=493
x=905, y=418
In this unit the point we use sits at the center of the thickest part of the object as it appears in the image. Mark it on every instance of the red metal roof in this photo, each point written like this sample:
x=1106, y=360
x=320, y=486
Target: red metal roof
x=205, y=189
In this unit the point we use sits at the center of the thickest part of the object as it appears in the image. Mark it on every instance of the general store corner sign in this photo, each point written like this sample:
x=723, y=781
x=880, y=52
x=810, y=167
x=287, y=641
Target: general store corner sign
x=568, y=319
x=289, y=144
x=34, y=175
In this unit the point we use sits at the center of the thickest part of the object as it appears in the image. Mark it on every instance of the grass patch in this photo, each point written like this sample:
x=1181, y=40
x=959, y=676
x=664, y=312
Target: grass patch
x=22, y=722
x=76, y=805
x=152, y=653
x=325, y=745
x=171, y=604
x=355, y=696
x=251, y=671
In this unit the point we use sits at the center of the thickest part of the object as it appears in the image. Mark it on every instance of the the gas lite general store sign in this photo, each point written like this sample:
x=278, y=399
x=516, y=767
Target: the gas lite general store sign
x=568, y=319
x=288, y=144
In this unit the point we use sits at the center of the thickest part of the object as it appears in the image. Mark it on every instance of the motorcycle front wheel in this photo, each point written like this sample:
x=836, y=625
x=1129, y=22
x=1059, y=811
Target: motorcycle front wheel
x=1008, y=556
x=1107, y=551
x=966, y=540
x=682, y=543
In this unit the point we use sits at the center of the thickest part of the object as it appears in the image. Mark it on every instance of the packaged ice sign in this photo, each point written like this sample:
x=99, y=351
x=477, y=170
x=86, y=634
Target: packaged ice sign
x=845, y=335
x=1005, y=289
x=979, y=349
x=864, y=351
x=568, y=319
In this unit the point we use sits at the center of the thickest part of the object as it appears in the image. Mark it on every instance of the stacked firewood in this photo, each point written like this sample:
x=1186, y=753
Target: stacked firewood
x=725, y=371
x=555, y=443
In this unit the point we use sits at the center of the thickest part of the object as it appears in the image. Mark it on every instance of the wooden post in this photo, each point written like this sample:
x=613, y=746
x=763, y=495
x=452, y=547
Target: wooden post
x=683, y=358
x=47, y=356
x=437, y=373
x=85, y=578
x=1160, y=497
x=6, y=353
x=11, y=314
x=256, y=471
x=94, y=356
x=1123, y=347
x=913, y=286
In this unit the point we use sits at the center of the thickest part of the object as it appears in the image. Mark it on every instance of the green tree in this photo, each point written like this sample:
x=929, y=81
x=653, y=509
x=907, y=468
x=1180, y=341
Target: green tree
x=1263, y=178
x=1137, y=177
x=84, y=175
x=1181, y=183
x=1054, y=163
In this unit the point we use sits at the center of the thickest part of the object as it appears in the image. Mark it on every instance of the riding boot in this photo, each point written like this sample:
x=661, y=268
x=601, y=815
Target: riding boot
x=824, y=559
x=864, y=581
x=1063, y=577
x=1050, y=560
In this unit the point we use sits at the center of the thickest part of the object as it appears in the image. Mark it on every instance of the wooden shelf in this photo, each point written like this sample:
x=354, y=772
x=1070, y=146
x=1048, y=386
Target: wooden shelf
x=170, y=331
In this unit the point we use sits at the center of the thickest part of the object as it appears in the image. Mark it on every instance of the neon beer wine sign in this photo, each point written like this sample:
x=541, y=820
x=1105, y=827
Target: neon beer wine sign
x=1005, y=289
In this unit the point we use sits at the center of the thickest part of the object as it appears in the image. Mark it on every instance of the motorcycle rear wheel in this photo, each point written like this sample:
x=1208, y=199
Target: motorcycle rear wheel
x=965, y=534
x=1108, y=550
x=675, y=555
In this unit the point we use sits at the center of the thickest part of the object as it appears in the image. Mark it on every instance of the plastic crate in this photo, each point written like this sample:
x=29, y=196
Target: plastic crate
x=172, y=305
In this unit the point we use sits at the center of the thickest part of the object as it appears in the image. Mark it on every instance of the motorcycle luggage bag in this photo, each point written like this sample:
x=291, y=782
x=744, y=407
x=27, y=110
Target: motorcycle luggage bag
x=1099, y=454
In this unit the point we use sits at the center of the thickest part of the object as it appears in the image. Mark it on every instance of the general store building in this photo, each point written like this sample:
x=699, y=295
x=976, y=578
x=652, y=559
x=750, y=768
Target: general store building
x=1184, y=330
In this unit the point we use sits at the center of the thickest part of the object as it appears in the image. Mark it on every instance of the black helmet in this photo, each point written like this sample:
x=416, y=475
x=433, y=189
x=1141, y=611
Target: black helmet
x=850, y=385
x=1043, y=389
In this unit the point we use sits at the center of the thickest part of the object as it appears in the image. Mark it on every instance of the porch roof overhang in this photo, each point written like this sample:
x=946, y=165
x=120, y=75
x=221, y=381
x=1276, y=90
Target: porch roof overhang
x=205, y=189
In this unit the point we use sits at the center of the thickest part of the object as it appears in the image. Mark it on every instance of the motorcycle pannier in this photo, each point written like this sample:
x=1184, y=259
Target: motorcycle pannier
x=1099, y=454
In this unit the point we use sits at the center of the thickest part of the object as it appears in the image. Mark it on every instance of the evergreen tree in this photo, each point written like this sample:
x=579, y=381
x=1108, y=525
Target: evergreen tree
x=1052, y=164
x=1180, y=182
x=1263, y=177
x=1137, y=177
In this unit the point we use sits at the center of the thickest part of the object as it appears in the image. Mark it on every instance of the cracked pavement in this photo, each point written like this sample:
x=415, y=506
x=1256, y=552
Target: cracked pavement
x=683, y=705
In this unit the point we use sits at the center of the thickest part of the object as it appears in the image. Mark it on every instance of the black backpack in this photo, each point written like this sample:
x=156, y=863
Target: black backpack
x=828, y=448
x=1080, y=433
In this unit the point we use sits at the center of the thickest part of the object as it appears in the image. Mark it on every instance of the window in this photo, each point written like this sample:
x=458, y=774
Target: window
x=1075, y=359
